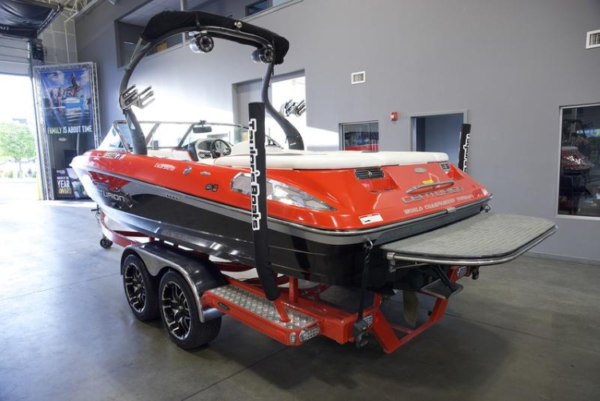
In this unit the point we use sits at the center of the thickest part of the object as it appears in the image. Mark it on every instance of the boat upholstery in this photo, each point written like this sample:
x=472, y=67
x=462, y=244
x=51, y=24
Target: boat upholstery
x=278, y=158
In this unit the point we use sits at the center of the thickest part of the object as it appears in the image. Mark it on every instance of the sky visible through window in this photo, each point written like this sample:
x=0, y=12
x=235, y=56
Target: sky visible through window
x=16, y=100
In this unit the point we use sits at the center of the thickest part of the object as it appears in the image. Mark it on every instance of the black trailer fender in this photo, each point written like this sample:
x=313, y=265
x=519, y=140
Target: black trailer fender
x=200, y=273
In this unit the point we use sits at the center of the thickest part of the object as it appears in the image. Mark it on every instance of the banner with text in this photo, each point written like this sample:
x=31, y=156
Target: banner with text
x=67, y=99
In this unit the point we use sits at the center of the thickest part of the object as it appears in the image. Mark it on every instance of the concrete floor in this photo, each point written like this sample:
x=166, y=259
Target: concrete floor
x=528, y=330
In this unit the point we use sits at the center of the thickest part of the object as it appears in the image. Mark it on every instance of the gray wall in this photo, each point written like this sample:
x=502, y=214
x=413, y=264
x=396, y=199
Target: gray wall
x=510, y=63
x=126, y=33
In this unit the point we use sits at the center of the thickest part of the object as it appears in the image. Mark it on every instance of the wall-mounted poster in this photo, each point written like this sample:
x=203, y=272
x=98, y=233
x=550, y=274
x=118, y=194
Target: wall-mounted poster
x=67, y=113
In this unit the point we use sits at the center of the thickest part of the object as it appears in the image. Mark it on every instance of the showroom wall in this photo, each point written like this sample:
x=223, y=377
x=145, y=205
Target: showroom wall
x=510, y=63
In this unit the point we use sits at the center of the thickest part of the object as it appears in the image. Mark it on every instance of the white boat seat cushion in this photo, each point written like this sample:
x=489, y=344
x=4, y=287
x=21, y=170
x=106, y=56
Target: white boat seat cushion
x=278, y=158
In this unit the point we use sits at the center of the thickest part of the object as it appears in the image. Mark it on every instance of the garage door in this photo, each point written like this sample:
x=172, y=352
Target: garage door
x=14, y=56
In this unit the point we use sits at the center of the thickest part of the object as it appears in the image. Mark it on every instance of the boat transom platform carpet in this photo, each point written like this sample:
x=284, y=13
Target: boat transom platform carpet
x=483, y=239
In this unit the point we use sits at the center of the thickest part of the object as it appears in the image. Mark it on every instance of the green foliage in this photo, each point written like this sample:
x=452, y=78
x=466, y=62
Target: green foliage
x=16, y=141
x=9, y=174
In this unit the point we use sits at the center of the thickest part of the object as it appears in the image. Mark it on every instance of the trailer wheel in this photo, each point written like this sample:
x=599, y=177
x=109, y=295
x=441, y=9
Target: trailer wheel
x=105, y=243
x=139, y=289
x=180, y=314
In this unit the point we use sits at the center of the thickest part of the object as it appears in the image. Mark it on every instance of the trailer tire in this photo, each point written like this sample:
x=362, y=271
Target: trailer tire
x=180, y=316
x=140, y=289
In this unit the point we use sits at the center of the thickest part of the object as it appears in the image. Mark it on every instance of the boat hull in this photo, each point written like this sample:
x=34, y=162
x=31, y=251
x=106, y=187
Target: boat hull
x=324, y=256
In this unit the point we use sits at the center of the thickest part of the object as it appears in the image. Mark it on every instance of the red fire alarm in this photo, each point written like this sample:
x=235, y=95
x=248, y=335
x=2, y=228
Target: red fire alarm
x=394, y=116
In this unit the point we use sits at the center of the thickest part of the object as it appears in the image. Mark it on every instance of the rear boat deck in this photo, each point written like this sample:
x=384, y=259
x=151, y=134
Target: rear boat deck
x=485, y=239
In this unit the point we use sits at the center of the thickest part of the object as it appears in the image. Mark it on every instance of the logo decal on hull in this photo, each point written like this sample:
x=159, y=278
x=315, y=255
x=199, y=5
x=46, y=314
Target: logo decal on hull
x=163, y=166
x=113, y=196
x=431, y=195
x=254, y=173
x=117, y=199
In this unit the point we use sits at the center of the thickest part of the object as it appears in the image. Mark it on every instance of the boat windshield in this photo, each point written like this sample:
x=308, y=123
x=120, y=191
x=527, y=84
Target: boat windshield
x=163, y=137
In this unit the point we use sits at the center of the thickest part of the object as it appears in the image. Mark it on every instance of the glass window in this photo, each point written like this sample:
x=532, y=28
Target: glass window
x=166, y=135
x=360, y=136
x=579, y=183
x=237, y=9
x=112, y=141
x=257, y=7
x=227, y=133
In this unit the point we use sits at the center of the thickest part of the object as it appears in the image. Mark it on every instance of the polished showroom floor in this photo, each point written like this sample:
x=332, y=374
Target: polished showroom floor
x=529, y=330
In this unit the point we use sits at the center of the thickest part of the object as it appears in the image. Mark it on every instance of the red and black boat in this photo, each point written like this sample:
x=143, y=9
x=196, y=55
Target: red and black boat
x=380, y=221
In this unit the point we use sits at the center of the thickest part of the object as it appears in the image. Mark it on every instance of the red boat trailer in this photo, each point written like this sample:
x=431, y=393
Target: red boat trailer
x=299, y=314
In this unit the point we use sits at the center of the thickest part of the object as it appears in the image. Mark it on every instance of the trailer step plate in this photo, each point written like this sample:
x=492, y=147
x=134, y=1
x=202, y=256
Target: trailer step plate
x=260, y=306
x=485, y=239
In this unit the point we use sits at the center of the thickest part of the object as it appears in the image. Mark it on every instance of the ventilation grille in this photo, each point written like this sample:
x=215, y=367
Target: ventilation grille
x=368, y=173
x=358, y=77
x=593, y=39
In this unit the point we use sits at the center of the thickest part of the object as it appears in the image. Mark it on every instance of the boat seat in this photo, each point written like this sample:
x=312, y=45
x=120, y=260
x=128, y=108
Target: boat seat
x=278, y=158
x=207, y=160
x=243, y=148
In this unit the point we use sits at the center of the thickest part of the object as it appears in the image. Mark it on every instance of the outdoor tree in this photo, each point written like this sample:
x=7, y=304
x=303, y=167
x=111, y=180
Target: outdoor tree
x=16, y=142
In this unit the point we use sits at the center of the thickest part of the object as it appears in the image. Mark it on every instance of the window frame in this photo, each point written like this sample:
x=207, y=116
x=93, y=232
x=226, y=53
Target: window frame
x=342, y=139
x=559, y=158
x=248, y=6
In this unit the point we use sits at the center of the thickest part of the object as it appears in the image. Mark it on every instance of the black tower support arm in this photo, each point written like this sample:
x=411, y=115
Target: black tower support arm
x=258, y=194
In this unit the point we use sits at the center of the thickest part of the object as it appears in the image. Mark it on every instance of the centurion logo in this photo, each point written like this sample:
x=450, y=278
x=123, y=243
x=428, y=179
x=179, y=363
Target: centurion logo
x=113, y=196
x=116, y=198
x=431, y=194
x=254, y=174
